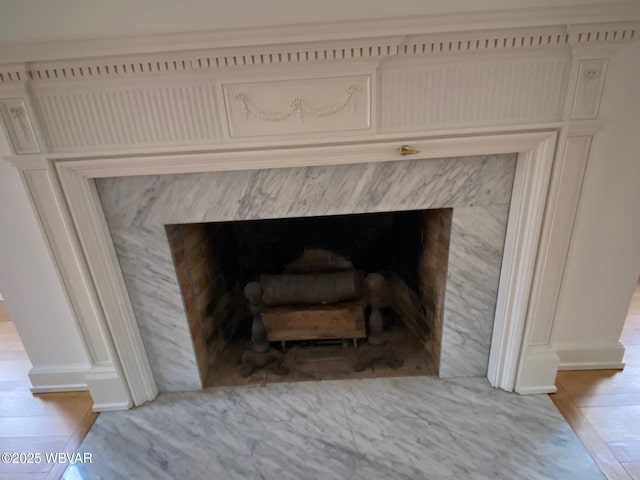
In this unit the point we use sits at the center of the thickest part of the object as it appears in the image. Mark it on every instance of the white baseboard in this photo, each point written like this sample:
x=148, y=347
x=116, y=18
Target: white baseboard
x=110, y=407
x=538, y=371
x=591, y=357
x=103, y=383
x=59, y=378
x=537, y=390
x=107, y=390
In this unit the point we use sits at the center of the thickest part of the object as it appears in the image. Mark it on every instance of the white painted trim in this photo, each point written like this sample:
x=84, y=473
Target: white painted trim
x=581, y=128
x=130, y=123
x=591, y=366
x=58, y=378
x=409, y=134
x=99, y=251
x=108, y=390
x=13, y=52
x=41, y=184
x=259, y=158
x=540, y=361
x=591, y=357
x=538, y=369
x=565, y=192
x=110, y=407
x=528, y=202
x=534, y=163
x=538, y=390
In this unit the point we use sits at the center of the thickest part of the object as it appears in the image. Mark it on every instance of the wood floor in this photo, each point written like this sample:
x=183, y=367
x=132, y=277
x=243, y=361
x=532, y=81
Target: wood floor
x=603, y=406
x=46, y=423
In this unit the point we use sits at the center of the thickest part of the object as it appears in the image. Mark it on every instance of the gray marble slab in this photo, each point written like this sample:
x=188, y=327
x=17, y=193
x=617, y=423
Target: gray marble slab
x=394, y=428
x=473, y=274
x=147, y=266
x=478, y=188
x=307, y=191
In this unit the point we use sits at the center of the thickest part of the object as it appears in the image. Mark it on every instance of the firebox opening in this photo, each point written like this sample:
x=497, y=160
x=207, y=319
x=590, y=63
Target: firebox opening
x=215, y=261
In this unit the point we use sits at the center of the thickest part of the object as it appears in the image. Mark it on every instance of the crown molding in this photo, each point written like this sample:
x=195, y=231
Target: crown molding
x=372, y=51
x=52, y=50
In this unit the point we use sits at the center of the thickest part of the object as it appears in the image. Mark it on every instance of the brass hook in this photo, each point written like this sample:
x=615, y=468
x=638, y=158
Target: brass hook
x=407, y=150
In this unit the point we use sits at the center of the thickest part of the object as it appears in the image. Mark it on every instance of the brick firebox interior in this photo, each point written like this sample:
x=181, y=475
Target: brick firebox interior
x=409, y=248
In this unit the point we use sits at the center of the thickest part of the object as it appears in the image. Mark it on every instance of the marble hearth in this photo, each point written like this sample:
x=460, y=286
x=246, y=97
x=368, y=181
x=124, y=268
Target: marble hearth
x=478, y=188
x=399, y=428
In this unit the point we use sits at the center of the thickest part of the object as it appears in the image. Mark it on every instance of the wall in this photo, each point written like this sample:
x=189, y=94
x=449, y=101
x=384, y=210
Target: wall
x=604, y=259
x=53, y=19
x=32, y=290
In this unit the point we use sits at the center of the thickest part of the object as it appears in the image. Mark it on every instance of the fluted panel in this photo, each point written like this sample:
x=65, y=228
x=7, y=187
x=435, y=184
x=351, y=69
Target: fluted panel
x=457, y=95
x=128, y=116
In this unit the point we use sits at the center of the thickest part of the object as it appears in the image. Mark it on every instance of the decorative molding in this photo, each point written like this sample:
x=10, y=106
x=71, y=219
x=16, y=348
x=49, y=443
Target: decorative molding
x=591, y=357
x=18, y=125
x=57, y=228
x=42, y=186
x=485, y=41
x=303, y=115
x=105, y=271
x=13, y=74
x=247, y=158
x=108, y=391
x=354, y=31
x=564, y=195
x=584, y=128
x=588, y=91
x=490, y=92
x=80, y=118
x=604, y=33
x=187, y=112
x=298, y=106
x=58, y=378
x=413, y=39
x=467, y=78
x=520, y=248
x=538, y=369
x=26, y=163
x=528, y=201
x=208, y=61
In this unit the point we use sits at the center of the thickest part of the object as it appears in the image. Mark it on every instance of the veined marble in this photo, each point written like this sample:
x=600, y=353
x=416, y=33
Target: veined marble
x=399, y=428
x=147, y=265
x=307, y=191
x=473, y=275
x=477, y=187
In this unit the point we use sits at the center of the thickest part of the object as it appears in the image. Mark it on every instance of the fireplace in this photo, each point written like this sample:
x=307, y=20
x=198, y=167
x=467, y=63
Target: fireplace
x=258, y=221
x=195, y=131
x=214, y=261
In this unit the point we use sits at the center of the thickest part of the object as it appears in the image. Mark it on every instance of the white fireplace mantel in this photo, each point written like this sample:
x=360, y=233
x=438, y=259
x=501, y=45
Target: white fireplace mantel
x=350, y=96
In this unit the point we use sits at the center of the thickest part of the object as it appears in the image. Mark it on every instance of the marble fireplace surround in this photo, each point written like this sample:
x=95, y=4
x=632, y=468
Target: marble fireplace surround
x=477, y=188
x=119, y=206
